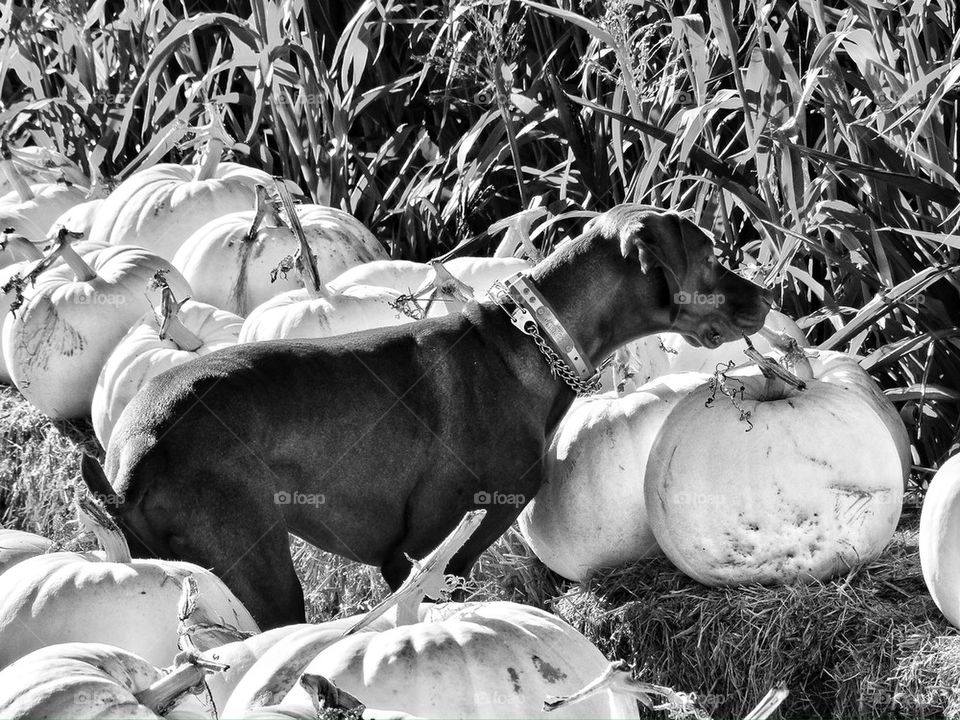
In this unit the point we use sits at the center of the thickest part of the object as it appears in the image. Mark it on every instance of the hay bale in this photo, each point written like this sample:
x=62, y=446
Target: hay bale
x=869, y=645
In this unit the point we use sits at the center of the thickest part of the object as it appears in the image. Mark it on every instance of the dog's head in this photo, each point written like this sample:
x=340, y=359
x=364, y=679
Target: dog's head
x=693, y=294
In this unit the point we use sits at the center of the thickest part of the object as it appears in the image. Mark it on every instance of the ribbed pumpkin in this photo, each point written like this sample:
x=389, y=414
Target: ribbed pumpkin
x=79, y=218
x=40, y=165
x=16, y=546
x=590, y=511
x=31, y=209
x=228, y=261
x=72, y=319
x=76, y=680
x=160, y=207
x=105, y=597
x=27, y=255
x=83, y=681
x=177, y=333
x=474, y=660
x=940, y=539
x=264, y=667
x=315, y=311
x=404, y=276
x=812, y=489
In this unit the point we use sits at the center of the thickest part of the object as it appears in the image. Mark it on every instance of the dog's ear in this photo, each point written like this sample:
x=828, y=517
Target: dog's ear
x=653, y=239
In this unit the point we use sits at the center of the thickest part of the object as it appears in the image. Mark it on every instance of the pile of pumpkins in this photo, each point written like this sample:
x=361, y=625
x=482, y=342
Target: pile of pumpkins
x=737, y=478
x=92, y=635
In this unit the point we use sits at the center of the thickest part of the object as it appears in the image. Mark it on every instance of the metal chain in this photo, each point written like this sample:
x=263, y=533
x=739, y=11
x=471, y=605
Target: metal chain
x=558, y=368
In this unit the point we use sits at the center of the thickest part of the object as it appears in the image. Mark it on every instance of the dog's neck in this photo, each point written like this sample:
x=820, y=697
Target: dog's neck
x=601, y=313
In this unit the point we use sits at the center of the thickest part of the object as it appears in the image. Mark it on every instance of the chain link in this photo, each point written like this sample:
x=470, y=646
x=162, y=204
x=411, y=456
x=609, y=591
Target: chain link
x=558, y=368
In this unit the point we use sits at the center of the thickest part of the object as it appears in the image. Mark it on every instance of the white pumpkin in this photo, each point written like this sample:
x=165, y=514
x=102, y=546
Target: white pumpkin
x=106, y=597
x=90, y=681
x=76, y=680
x=307, y=314
x=315, y=311
x=473, y=660
x=939, y=541
x=30, y=209
x=176, y=333
x=16, y=546
x=590, y=511
x=813, y=489
x=29, y=254
x=404, y=276
x=72, y=319
x=160, y=207
x=79, y=218
x=228, y=261
x=41, y=165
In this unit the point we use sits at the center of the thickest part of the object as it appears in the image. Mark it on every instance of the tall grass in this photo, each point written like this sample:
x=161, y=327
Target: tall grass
x=818, y=140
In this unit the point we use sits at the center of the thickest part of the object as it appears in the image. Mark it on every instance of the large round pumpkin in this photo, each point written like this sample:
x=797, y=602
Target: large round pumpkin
x=32, y=213
x=76, y=680
x=79, y=218
x=179, y=333
x=316, y=311
x=475, y=660
x=306, y=314
x=404, y=276
x=72, y=319
x=17, y=545
x=940, y=539
x=590, y=511
x=106, y=597
x=27, y=254
x=160, y=207
x=228, y=261
x=40, y=165
x=774, y=488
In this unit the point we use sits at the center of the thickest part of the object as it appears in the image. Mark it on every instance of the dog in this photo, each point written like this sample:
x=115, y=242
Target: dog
x=373, y=445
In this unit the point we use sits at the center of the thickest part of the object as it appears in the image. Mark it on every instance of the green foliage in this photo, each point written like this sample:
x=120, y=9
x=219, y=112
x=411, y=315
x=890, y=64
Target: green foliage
x=818, y=140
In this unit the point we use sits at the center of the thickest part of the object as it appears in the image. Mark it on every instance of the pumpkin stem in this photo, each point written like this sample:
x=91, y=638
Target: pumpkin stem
x=22, y=187
x=217, y=139
x=518, y=232
x=618, y=679
x=19, y=247
x=64, y=251
x=443, y=286
x=171, y=326
x=95, y=519
x=427, y=578
x=265, y=210
x=304, y=260
x=325, y=695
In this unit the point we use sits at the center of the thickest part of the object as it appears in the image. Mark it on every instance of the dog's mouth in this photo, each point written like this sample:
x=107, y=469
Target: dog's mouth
x=715, y=331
